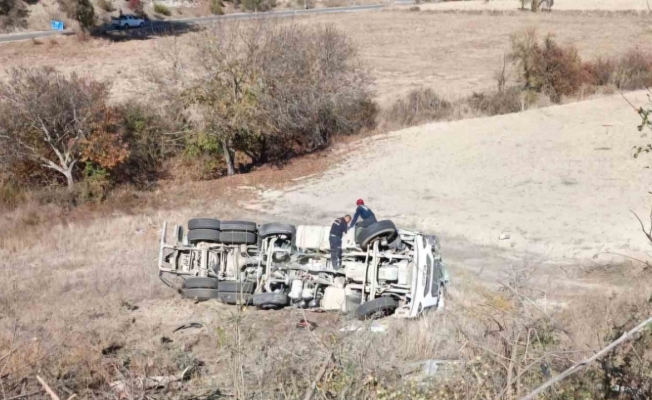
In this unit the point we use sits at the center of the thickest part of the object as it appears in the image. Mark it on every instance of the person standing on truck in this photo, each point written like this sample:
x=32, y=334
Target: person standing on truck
x=368, y=216
x=338, y=229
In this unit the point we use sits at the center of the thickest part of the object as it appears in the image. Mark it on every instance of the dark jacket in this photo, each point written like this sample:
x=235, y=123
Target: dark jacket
x=338, y=229
x=362, y=212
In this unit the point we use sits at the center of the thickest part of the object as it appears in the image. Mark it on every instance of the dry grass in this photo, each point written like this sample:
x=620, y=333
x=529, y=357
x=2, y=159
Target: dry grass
x=69, y=279
x=68, y=294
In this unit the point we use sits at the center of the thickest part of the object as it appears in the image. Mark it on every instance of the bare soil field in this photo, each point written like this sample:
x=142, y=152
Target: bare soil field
x=453, y=53
x=560, y=181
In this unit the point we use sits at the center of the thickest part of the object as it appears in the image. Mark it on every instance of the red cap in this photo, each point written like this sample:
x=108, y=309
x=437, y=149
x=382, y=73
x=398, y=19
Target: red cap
x=359, y=202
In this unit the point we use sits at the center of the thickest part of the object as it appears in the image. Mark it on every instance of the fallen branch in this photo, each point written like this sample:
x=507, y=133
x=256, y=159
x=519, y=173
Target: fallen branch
x=582, y=364
x=322, y=371
x=47, y=388
x=151, y=382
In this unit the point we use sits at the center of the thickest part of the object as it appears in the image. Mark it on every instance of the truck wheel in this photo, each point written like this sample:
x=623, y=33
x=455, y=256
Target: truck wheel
x=276, y=228
x=270, y=300
x=233, y=237
x=204, y=223
x=238, y=226
x=376, y=308
x=236, y=287
x=197, y=282
x=234, y=298
x=378, y=230
x=200, y=294
x=203, y=235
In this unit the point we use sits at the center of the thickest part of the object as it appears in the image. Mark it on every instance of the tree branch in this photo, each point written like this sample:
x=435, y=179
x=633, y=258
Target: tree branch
x=582, y=364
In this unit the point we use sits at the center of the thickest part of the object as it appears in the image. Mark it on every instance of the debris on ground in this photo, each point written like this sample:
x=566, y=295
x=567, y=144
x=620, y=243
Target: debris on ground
x=129, y=306
x=427, y=368
x=111, y=349
x=166, y=340
x=188, y=325
x=357, y=326
x=150, y=382
x=305, y=324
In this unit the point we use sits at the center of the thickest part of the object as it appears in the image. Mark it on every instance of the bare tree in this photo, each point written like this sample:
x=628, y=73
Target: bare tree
x=48, y=118
x=270, y=90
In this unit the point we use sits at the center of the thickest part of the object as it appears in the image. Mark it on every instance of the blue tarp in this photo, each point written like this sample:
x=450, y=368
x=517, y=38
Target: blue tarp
x=56, y=25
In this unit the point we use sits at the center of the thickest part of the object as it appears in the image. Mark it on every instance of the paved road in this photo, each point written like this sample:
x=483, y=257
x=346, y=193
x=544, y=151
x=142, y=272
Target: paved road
x=15, y=37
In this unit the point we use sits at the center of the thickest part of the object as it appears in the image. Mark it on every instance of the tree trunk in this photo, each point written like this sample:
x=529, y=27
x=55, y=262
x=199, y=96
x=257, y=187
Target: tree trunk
x=68, y=174
x=228, y=158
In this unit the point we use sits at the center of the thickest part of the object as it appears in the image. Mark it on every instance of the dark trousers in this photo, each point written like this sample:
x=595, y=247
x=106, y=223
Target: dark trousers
x=336, y=252
x=365, y=223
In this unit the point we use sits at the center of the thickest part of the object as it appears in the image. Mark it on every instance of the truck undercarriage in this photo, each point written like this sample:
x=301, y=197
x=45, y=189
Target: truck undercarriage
x=383, y=271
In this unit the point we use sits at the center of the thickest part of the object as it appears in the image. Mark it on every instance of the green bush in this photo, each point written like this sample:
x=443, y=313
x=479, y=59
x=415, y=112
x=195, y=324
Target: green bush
x=142, y=132
x=85, y=14
x=106, y=5
x=95, y=185
x=216, y=7
x=162, y=9
x=13, y=14
x=258, y=5
x=11, y=193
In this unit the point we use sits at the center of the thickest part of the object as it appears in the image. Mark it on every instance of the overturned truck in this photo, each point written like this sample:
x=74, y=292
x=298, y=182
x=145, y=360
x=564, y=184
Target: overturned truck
x=384, y=270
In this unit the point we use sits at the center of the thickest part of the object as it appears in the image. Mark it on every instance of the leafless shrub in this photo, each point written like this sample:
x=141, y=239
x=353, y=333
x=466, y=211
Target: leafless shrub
x=510, y=100
x=599, y=72
x=419, y=106
x=547, y=66
x=634, y=71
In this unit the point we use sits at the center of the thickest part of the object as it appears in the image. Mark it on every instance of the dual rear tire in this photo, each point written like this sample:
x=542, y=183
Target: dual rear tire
x=216, y=231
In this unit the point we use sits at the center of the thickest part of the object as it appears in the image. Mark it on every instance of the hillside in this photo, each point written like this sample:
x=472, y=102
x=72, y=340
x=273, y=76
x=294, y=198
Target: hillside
x=560, y=181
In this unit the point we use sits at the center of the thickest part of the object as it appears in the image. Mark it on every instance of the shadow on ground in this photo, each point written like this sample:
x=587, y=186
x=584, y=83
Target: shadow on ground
x=150, y=30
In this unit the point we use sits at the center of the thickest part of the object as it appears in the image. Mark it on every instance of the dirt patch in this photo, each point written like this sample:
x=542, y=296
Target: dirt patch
x=534, y=176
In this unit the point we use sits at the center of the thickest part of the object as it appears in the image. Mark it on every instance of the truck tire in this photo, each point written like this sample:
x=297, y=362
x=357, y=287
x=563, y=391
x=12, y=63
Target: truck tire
x=381, y=305
x=197, y=282
x=233, y=237
x=378, y=230
x=353, y=303
x=200, y=294
x=236, y=287
x=234, y=298
x=238, y=226
x=270, y=300
x=203, y=235
x=276, y=228
x=204, y=223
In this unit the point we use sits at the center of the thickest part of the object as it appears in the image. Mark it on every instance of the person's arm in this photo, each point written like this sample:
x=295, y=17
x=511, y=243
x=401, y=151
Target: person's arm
x=355, y=217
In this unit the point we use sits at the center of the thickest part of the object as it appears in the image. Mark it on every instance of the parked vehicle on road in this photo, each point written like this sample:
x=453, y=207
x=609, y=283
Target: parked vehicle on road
x=384, y=270
x=127, y=21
